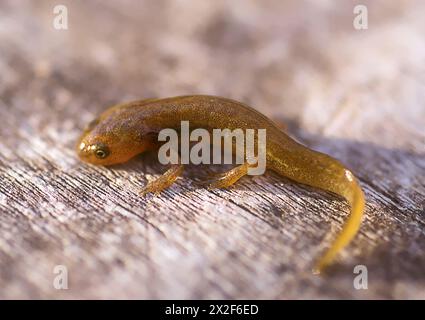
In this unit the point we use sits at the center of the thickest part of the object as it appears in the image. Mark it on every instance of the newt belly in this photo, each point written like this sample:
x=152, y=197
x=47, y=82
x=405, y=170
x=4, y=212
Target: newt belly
x=125, y=130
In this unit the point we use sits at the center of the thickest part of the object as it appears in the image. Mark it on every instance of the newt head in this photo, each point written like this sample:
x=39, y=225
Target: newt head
x=112, y=138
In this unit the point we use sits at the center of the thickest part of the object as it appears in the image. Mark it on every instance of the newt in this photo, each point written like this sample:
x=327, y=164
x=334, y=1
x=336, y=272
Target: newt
x=126, y=130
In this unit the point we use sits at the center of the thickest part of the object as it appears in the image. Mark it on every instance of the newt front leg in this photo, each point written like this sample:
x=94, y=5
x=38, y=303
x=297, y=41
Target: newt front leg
x=164, y=181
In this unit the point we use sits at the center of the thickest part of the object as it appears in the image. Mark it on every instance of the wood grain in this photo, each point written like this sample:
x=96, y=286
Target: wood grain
x=356, y=95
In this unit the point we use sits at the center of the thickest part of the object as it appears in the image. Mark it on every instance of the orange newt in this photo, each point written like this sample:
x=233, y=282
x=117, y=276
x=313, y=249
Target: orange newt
x=125, y=130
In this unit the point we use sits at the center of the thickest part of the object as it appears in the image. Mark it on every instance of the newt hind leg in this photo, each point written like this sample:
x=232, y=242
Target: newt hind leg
x=229, y=178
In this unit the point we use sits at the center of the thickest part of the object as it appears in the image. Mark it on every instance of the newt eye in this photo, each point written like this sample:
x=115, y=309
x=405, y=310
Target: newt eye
x=101, y=151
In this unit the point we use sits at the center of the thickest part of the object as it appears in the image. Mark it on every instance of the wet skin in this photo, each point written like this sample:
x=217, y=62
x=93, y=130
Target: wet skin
x=128, y=129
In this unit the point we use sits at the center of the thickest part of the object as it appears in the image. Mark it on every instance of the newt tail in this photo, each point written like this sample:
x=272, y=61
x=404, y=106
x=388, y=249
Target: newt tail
x=322, y=171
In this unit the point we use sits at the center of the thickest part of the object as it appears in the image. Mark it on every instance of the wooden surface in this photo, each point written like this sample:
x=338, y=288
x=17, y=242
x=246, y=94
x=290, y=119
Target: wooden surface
x=357, y=95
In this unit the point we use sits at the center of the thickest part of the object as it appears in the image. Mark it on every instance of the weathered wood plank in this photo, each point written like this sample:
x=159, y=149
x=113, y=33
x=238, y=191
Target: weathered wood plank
x=357, y=95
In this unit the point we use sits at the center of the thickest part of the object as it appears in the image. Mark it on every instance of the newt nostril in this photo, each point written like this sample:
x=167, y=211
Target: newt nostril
x=82, y=149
